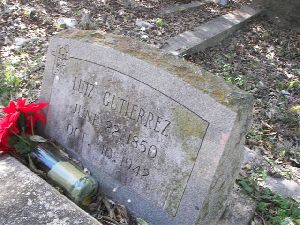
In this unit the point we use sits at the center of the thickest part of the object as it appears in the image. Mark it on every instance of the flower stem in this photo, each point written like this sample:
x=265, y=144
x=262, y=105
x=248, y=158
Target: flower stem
x=21, y=138
x=32, y=132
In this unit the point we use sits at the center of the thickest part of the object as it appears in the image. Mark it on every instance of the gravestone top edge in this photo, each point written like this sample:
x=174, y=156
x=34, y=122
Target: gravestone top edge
x=208, y=83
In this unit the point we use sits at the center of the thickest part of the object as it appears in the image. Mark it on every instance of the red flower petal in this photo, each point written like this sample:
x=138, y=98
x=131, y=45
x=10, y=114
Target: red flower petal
x=33, y=107
x=4, y=149
x=4, y=138
x=11, y=108
x=10, y=121
x=21, y=103
x=41, y=117
x=8, y=127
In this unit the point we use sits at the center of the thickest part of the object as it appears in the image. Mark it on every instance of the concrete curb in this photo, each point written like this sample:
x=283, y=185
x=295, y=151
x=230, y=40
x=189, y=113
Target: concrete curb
x=26, y=199
x=210, y=33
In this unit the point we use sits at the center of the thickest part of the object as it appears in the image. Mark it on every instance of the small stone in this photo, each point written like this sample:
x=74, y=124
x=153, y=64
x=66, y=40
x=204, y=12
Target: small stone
x=285, y=92
x=286, y=188
x=253, y=90
x=145, y=37
x=141, y=23
x=7, y=41
x=86, y=171
x=33, y=15
x=261, y=85
x=251, y=156
x=21, y=42
x=67, y=22
x=9, y=9
x=287, y=221
x=223, y=2
x=2, y=41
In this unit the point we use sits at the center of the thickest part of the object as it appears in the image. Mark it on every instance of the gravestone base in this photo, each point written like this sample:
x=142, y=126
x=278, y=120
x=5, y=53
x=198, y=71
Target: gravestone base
x=26, y=199
x=161, y=135
x=240, y=208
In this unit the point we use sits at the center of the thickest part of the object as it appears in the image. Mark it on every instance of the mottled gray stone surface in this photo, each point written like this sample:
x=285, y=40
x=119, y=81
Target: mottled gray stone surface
x=210, y=33
x=26, y=199
x=252, y=157
x=284, y=187
x=161, y=135
x=240, y=208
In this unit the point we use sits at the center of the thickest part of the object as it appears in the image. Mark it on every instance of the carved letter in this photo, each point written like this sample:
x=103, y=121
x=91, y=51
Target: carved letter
x=87, y=87
x=78, y=111
x=79, y=86
x=87, y=115
x=127, y=109
x=122, y=102
x=141, y=114
x=164, y=130
x=96, y=117
x=105, y=100
x=149, y=119
x=158, y=120
x=75, y=109
x=133, y=110
x=112, y=103
x=69, y=129
x=75, y=78
x=146, y=172
x=138, y=168
x=92, y=88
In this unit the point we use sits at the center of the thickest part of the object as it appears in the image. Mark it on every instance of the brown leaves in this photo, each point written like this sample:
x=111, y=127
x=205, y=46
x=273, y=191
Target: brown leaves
x=109, y=213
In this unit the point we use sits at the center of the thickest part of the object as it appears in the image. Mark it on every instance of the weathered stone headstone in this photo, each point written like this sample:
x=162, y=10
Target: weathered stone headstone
x=161, y=136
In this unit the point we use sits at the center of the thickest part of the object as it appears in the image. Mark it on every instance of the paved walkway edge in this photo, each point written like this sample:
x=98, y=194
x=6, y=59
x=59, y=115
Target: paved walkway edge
x=210, y=33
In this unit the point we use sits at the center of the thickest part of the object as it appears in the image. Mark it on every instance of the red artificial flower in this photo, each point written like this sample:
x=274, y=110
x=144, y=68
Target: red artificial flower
x=21, y=106
x=31, y=112
x=8, y=127
x=12, y=124
x=14, y=107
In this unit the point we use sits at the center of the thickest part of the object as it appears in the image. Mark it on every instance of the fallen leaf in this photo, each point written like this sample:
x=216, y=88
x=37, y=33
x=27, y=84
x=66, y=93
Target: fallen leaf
x=37, y=138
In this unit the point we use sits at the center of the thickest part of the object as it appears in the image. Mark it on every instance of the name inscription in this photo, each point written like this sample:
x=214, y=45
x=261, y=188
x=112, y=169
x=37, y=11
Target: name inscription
x=121, y=105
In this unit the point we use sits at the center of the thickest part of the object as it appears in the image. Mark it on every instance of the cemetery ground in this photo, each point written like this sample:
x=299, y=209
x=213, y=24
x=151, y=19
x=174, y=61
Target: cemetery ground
x=261, y=58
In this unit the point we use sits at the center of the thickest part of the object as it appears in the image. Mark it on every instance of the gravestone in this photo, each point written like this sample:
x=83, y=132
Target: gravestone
x=160, y=135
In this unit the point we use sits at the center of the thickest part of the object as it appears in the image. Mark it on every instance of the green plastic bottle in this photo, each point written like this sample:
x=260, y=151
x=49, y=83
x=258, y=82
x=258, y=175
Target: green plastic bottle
x=77, y=185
